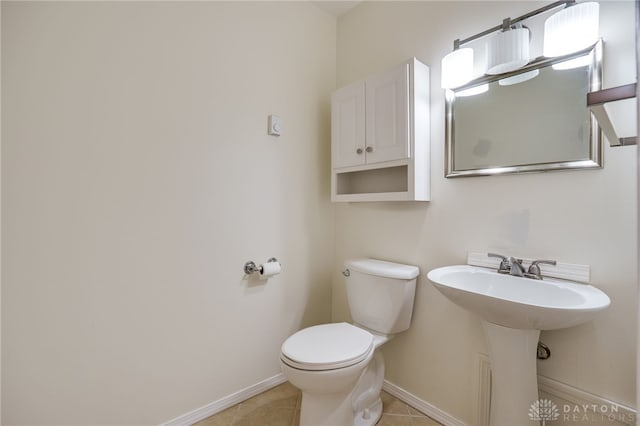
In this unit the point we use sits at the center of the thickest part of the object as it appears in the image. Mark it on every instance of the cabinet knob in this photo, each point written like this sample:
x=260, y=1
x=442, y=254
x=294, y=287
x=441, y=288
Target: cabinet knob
x=359, y=151
x=369, y=149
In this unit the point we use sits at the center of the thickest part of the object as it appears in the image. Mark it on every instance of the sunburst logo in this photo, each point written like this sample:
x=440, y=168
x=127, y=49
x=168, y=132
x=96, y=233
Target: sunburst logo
x=544, y=410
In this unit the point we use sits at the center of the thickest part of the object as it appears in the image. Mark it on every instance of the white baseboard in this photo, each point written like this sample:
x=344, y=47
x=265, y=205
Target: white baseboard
x=226, y=402
x=423, y=406
x=584, y=402
x=229, y=401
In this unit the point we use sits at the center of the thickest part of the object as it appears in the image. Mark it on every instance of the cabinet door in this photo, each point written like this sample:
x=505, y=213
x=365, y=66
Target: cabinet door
x=347, y=126
x=387, y=109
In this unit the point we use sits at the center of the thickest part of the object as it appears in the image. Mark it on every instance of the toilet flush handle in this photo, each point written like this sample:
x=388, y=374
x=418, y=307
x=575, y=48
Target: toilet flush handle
x=346, y=272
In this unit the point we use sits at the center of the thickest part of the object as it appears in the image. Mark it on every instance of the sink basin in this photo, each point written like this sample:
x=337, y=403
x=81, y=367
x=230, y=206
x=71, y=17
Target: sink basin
x=513, y=311
x=518, y=302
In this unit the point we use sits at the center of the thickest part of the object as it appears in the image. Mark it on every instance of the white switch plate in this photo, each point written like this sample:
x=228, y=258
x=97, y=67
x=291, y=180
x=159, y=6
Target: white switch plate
x=275, y=125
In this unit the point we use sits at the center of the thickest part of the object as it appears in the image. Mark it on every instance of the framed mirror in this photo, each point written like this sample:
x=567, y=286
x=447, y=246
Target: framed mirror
x=531, y=120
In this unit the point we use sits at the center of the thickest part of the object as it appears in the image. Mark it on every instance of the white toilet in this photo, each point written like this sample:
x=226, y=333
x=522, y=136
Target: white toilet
x=337, y=366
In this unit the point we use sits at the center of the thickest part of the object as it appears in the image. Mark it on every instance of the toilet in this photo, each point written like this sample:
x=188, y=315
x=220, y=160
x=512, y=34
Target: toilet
x=338, y=366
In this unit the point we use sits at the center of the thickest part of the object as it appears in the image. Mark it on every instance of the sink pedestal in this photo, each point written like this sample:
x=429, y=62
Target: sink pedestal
x=525, y=306
x=514, y=377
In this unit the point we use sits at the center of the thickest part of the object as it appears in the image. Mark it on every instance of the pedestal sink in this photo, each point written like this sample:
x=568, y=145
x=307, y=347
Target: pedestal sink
x=513, y=311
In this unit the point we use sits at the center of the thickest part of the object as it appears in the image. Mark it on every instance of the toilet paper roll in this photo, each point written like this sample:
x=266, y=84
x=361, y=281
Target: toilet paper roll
x=270, y=269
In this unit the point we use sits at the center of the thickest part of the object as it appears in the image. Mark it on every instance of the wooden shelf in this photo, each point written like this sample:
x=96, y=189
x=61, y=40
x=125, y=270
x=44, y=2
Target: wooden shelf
x=596, y=102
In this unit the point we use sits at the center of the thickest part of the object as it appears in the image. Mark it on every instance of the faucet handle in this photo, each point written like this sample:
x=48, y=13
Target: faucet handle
x=497, y=255
x=505, y=264
x=534, y=268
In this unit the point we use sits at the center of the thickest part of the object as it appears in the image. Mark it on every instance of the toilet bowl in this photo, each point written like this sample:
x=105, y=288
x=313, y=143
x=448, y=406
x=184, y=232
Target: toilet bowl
x=338, y=366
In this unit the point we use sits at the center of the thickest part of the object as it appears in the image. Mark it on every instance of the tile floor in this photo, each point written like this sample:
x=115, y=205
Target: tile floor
x=280, y=406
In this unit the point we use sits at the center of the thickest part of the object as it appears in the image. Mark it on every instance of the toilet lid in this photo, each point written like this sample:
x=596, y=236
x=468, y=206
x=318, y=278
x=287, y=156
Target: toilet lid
x=327, y=346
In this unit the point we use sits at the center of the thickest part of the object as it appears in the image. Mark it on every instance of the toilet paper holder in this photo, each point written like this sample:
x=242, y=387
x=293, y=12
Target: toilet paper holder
x=251, y=268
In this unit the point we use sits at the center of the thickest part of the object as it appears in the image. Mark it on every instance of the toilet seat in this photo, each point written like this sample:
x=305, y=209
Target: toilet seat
x=327, y=347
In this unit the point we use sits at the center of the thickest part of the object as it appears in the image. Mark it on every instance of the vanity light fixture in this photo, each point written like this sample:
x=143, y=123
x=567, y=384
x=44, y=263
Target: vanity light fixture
x=571, y=29
x=508, y=49
x=457, y=67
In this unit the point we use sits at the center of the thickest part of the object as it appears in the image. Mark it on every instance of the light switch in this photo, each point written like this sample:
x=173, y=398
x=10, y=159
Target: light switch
x=275, y=125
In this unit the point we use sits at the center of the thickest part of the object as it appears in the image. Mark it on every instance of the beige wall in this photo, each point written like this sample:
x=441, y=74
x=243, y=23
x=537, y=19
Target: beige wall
x=584, y=217
x=137, y=179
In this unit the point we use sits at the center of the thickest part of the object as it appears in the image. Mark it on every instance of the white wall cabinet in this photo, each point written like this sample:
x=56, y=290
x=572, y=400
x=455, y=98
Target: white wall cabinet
x=347, y=126
x=380, y=137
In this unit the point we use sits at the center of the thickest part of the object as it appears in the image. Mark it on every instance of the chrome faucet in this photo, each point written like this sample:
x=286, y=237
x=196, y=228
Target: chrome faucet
x=505, y=266
x=509, y=265
x=516, y=267
x=534, y=270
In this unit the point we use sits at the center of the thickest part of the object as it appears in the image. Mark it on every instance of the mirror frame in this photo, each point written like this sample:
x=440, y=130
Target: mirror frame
x=595, y=160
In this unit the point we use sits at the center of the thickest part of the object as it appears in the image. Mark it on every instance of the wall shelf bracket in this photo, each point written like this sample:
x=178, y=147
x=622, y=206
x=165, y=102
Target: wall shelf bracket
x=596, y=102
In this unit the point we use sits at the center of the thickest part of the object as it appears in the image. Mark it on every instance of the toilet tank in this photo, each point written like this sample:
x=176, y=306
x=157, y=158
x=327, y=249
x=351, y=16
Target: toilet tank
x=381, y=294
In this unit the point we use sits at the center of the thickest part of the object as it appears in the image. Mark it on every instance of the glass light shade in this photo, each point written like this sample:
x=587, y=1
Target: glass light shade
x=520, y=78
x=473, y=91
x=571, y=29
x=508, y=51
x=457, y=68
